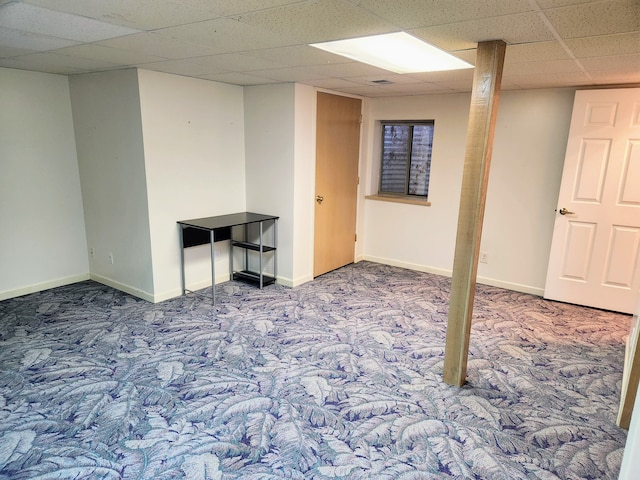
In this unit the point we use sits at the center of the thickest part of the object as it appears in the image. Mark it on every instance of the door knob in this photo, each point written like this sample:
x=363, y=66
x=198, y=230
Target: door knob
x=319, y=198
x=564, y=211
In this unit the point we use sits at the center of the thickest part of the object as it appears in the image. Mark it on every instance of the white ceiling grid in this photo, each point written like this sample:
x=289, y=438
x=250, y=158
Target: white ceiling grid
x=550, y=43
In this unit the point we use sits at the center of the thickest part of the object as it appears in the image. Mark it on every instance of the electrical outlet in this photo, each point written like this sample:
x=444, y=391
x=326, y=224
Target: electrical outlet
x=484, y=257
x=92, y=252
x=110, y=257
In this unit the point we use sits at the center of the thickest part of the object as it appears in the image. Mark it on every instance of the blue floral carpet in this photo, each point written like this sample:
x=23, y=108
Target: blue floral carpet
x=337, y=379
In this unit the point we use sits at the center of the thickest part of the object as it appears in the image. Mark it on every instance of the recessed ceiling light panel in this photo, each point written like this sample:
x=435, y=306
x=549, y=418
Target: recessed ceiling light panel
x=397, y=52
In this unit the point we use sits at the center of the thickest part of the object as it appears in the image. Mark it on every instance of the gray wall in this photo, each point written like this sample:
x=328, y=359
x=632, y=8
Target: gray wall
x=106, y=116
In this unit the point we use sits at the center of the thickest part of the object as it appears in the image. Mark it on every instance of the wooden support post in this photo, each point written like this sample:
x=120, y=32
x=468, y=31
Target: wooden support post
x=482, y=118
x=630, y=374
x=628, y=397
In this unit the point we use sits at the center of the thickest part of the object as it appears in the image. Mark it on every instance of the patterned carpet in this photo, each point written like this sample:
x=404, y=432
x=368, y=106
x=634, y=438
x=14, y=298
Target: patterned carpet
x=337, y=379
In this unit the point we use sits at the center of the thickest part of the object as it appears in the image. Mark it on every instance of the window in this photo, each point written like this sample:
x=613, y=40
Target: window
x=406, y=158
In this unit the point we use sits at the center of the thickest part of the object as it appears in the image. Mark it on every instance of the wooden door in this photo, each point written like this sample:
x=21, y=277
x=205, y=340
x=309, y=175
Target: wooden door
x=595, y=251
x=337, y=154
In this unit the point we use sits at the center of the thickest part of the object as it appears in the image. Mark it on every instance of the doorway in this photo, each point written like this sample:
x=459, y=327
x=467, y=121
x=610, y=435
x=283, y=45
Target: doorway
x=595, y=251
x=337, y=158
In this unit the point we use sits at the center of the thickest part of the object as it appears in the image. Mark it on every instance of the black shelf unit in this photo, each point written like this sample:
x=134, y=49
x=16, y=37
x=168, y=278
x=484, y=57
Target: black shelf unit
x=261, y=253
x=253, y=277
x=252, y=246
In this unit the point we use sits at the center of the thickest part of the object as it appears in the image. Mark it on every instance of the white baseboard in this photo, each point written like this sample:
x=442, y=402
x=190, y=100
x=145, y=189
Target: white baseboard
x=288, y=282
x=123, y=287
x=516, y=287
x=39, y=287
x=407, y=265
x=193, y=286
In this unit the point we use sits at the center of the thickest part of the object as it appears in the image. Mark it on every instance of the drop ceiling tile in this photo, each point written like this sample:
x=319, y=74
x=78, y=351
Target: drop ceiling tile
x=53, y=62
x=226, y=7
x=535, y=52
x=332, y=83
x=468, y=56
x=621, y=44
x=7, y=52
x=511, y=87
x=513, y=29
x=419, y=88
x=298, y=55
x=552, y=66
x=139, y=14
x=369, y=91
x=33, y=19
x=236, y=62
x=237, y=78
x=617, y=62
x=409, y=14
x=225, y=35
x=346, y=70
x=465, y=75
x=320, y=20
x=394, y=78
x=457, y=85
x=507, y=83
x=289, y=74
x=37, y=67
x=108, y=54
x=383, y=94
x=617, y=77
x=31, y=41
x=600, y=18
x=159, y=46
x=544, y=4
x=548, y=80
x=183, y=67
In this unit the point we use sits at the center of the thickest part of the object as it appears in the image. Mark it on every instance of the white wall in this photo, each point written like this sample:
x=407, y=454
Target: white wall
x=194, y=158
x=528, y=154
x=526, y=170
x=280, y=160
x=408, y=235
x=269, y=146
x=106, y=116
x=304, y=180
x=42, y=244
x=190, y=162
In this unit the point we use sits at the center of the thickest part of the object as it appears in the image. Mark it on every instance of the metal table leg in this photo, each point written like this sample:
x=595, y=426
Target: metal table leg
x=182, y=277
x=213, y=270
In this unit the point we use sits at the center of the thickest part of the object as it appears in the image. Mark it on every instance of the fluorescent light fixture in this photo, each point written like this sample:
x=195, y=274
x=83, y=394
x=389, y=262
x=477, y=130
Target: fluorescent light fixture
x=398, y=52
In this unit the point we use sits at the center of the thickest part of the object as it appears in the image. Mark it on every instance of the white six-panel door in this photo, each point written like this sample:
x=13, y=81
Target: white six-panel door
x=595, y=251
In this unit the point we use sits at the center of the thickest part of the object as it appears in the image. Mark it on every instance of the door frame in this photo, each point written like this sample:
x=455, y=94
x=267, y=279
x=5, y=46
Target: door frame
x=358, y=195
x=593, y=124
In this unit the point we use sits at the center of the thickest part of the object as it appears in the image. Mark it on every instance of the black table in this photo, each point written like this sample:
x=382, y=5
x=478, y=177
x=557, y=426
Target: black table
x=200, y=231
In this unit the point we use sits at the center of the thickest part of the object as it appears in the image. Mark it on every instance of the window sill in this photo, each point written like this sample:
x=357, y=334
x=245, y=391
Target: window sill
x=394, y=199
